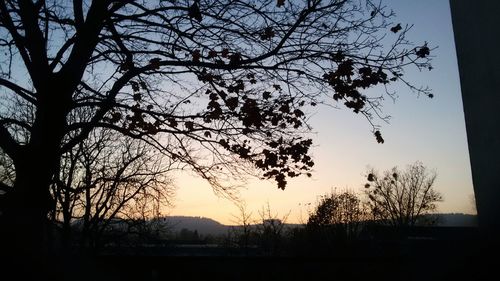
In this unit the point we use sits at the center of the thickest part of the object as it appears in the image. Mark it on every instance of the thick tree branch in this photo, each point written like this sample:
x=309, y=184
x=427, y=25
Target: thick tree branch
x=87, y=38
x=104, y=108
x=23, y=93
x=37, y=46
x=78, y=14
x=19, y=40
x=8, y=144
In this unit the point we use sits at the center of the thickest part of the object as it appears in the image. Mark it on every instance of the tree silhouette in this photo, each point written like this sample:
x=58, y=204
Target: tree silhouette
x=339, y=213
x=271, y=230
x=244, y=229
x=106, y=180
x=400, y=198
x=221, y=86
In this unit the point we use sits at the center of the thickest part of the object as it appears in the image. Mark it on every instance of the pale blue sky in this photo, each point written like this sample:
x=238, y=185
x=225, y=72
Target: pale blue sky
x=428, y=130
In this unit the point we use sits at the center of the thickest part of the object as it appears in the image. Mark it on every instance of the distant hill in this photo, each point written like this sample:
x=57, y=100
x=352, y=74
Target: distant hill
x=457, y=219
x=204, y=226
x=207, y=226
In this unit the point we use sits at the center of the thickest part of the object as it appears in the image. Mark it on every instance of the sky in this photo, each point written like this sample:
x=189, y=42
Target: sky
x=421, y=129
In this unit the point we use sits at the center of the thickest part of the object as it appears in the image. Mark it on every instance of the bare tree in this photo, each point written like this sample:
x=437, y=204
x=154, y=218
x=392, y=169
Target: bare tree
x=245, y=226
x=402, y=197
x=108, y=181
x=226, y=84
x=271, y=230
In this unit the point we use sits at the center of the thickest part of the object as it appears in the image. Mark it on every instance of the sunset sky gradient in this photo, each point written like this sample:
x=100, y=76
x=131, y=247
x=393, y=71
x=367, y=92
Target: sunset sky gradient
x=421, y=129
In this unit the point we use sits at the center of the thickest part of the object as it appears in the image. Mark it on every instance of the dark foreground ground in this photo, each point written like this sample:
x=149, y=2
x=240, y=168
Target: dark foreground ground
x=450, y=257
x=411, y=260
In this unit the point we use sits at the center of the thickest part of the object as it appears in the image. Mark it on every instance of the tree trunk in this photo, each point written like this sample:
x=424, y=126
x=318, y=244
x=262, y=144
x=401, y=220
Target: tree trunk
x=25, y=222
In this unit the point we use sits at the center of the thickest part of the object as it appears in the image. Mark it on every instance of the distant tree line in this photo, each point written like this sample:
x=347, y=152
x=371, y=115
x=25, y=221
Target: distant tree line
x=392, y=203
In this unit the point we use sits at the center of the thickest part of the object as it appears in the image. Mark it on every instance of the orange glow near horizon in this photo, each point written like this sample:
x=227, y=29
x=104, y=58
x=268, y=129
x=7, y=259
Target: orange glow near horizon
x=428, y=130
